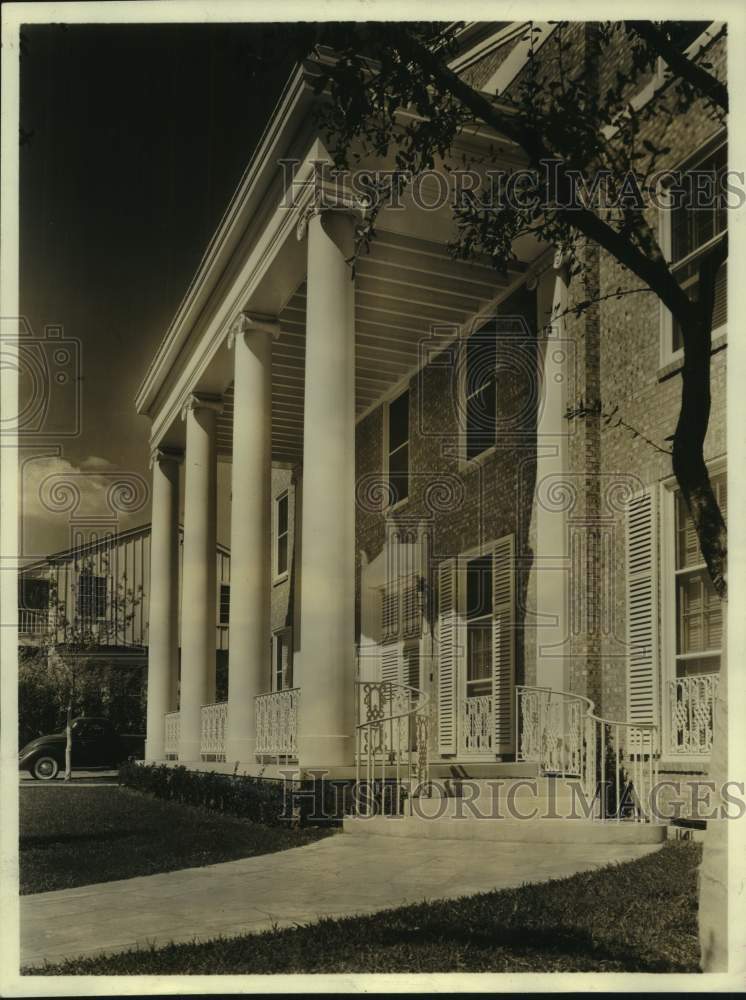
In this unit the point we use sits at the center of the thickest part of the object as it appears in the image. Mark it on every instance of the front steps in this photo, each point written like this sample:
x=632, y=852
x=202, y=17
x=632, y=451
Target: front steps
x=542, y=810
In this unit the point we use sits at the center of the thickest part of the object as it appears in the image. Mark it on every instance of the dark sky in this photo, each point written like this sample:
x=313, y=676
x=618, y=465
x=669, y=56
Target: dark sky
x=137, y=138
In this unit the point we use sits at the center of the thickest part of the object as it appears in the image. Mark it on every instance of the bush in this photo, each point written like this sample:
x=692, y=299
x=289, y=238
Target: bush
x=261, y=800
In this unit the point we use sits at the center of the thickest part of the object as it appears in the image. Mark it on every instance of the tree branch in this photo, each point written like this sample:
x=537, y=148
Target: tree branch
x=686, y=68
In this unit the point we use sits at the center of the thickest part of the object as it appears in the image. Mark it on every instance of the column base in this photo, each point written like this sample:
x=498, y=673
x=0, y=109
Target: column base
x=189, y=750
x=240, y=749
x=320, y=752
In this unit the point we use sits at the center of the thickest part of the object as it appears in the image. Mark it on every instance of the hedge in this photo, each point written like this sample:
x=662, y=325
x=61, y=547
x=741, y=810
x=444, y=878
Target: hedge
x=261, y=800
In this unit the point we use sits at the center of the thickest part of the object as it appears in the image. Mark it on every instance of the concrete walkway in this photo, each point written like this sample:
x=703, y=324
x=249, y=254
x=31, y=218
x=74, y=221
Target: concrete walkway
x=340, y=876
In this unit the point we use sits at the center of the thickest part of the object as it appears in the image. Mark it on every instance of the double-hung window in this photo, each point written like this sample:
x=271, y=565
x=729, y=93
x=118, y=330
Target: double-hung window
x=696, y=224
x=225, y=604
x=281, y=534
x=479, y=626
x=91, y=597
x=282, y=668
x=397, y=448
x=479, y=392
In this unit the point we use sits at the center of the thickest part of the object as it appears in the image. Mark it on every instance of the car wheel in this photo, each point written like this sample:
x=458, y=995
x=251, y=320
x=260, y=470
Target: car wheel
x=45, y=768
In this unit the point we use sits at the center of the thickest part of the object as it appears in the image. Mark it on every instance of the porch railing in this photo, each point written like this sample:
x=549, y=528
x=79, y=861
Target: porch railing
x=477, y=724
x=277, y=723
x=392, y=733
x=32, y=622
x=213, y=724
x=173, y=728
x=616, y=762
x=691, y=713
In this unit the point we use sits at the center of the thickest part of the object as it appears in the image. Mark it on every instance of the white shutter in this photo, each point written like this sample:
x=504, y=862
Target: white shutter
x=503, y=641
x=447, y=654
x=642, y=608
x=391, y=659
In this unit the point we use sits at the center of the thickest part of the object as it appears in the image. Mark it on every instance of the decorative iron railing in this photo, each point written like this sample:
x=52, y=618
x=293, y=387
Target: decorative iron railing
x=477, y=724
x=616, y=762
x=691, y=714
x=172, y=724
x=392, y=758
x=213, y=724
x=32, y=622
x=277, y=723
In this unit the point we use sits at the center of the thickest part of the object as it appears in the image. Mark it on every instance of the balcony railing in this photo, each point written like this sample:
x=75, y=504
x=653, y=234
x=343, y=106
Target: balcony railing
x=213, y=723
x=691, y=706
x=277, y=723
x=32, y=622
x=173, y=728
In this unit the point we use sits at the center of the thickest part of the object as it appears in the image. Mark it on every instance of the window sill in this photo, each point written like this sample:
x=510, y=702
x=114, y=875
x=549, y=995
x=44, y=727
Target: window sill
x=394, y=507
x=676, y=363
x=465, y=464
x=280, y=578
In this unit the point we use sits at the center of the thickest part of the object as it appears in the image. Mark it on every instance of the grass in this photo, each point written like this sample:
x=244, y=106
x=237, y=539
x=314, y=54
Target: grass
x=636, y=917
x=77, y=836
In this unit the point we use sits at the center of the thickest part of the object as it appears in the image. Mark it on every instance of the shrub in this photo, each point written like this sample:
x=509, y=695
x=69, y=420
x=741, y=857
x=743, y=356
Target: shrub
x=262, y=800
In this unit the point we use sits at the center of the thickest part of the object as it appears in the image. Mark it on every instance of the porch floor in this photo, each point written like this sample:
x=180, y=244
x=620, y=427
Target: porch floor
x=339, y=876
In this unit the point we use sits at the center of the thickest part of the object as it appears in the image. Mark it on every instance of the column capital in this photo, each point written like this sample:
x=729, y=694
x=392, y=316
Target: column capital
x=162, y=454
x=351, y=206
x=201, y=401
x=251, y=322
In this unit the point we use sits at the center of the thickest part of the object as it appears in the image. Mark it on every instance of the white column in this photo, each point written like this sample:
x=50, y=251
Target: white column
x=163, y=615
x=251, y=529
x=198, y=599
x=554, y=489
x=327, y=663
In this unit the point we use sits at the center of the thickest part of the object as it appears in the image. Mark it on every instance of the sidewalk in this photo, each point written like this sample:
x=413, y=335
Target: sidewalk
x=339, y=876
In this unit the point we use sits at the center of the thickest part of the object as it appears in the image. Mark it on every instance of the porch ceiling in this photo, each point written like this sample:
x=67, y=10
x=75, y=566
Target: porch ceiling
x=407, y=289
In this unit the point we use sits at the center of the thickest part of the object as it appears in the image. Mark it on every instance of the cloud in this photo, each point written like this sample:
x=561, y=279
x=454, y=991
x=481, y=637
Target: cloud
x=60, y=502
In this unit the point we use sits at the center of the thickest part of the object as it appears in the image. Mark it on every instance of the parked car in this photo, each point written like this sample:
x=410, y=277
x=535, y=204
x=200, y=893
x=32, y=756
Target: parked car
x=95, y=743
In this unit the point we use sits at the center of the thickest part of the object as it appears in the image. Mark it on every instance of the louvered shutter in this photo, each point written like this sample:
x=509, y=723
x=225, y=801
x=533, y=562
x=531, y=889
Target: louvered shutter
x=447, y=654
x=503, y=641
x=391, y=662
x=390, y=613
x=642, y=608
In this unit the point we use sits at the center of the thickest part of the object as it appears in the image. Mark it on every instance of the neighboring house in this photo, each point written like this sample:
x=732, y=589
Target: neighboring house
x=87, y=579
x=425, y=490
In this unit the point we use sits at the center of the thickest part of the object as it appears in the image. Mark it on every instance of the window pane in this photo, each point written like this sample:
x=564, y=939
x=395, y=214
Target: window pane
x=282, y=554
x=699, y=614
x=399, y=421
x=479, y=587
x=225, y=603
x=699, y=665
x=480, y=421
x=479, y=658
x=282, y=515
x=399, y=474
x=687, y=546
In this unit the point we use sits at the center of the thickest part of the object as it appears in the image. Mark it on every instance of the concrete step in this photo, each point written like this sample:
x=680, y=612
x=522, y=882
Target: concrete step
x=537, y=831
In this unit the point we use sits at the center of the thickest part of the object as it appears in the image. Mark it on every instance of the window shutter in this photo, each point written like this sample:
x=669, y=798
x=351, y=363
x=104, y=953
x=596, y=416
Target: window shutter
x=391, y=663
x=390, y=613
x=503, y=641
x=447, y=654
x=412, y=625
x=642, y=608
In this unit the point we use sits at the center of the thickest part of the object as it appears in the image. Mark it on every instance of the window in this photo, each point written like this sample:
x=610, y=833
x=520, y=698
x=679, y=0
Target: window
x=91, y=596
x=696, y=223
x=33, y=594
x=699, y=617
x=281, y=544
x=480, y=392
x=397, y=448
x=282, y=668
x=225, y=603
x=479, y=626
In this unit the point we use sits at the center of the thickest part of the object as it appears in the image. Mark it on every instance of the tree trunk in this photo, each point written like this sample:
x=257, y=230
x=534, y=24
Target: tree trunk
x=713, y=872
x=68, y=743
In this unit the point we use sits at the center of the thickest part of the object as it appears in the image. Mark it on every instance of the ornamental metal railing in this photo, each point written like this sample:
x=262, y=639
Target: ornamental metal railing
x=477, y=724
x=616, y=762
x=213, y=725
x=691, y=712
x=172, y=723
x=392, y=755
x=277, y=723
x=32, y=622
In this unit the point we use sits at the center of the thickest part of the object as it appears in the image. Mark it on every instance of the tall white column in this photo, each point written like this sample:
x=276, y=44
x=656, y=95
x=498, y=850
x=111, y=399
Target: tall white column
x=251, y=529
x=198, y=607
x=163, y=616
x=327, y=663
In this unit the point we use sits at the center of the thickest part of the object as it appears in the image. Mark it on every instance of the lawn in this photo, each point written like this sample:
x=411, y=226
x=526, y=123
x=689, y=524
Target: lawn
x=76, y=836
x=637, y=917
